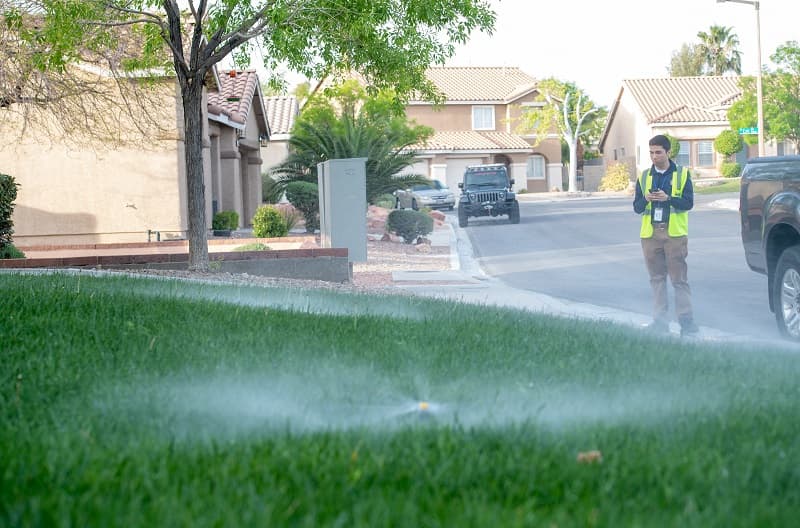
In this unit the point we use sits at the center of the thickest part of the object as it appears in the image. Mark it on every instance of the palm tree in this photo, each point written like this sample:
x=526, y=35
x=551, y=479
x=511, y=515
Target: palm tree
x=387, y=149
x=719, y=47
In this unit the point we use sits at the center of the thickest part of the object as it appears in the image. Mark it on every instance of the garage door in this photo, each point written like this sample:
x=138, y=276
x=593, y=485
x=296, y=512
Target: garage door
x=419, y=167
x=455, y=170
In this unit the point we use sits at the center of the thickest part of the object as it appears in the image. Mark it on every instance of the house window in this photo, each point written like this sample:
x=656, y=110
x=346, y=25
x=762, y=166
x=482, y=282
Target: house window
x=622, y=152
x=535, y=168
x=705, y=154
x=482, y=118
x=684, y=157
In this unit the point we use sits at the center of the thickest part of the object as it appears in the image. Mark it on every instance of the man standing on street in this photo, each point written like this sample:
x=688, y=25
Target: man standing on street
x=664, y=196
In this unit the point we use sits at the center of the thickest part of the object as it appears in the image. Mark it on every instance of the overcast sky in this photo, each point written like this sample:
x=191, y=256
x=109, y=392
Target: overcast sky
x=598, y=44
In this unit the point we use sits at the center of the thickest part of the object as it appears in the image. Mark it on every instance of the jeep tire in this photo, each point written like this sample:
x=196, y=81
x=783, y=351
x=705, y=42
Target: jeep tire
x=462, y=217
x=513, y=216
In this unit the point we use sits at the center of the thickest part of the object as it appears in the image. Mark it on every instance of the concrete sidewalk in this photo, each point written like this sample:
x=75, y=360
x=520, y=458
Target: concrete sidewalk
x=466, y=282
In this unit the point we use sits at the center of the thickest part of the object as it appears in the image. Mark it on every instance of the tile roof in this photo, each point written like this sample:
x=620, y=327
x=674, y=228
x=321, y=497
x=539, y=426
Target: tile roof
x=281, y=113
x=494, y=83
x=685, y=99
x=234, y=99
x=472, y=140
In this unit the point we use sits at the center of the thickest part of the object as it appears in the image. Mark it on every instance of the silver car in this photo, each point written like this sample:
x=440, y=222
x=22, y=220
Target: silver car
x=434, y=195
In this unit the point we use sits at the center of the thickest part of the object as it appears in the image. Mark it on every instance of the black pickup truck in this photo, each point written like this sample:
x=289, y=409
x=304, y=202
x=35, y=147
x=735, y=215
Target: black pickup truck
x=769, y=204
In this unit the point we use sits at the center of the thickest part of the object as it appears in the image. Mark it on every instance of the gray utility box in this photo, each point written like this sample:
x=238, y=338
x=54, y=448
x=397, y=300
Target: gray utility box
x=343, y=206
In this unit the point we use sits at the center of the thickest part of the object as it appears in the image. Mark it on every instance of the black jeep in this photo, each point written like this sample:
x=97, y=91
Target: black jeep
x=487, y=191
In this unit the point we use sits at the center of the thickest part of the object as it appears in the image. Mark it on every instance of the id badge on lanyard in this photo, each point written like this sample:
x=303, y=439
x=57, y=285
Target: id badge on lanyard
x=658, y=214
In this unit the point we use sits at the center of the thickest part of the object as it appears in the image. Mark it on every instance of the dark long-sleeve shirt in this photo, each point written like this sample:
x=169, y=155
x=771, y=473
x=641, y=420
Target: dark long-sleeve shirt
x=664, y=182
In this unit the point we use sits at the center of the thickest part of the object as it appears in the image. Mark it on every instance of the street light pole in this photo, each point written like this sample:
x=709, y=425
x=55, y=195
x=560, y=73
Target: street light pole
x=759, y=90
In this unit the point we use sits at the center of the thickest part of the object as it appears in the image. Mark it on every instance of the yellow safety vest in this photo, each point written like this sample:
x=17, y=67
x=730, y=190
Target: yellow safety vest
x=678, y=220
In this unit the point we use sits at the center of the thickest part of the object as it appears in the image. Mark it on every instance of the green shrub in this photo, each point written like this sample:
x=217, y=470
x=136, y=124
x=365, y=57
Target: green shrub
x=255, y=246
x=386, y=201
x=728, y=143
x=8, y=193
x=616, y=178
x=9, y=251
x=271, y=191
x=409, y=224
x=305, y=197
x=225, y=220
x=730, y=169
x=268, y=223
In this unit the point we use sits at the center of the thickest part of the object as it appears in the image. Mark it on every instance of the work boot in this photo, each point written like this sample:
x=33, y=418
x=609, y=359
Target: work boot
x=689, y=329
x=658, y=326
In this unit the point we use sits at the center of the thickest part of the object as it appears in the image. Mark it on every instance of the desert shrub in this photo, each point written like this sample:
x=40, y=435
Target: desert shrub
x=305, y=197
x=291, y=216
x=728, y=143
x=268, y=223
x=409, y=224
x=8, y=193
x=386, y=201
x=255, y=246
x=616, y=178
x=271, y=192
x=730, y=169
x=225, y=220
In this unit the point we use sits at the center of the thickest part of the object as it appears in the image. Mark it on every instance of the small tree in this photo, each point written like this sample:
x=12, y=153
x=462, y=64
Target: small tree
x=728, y=143
x=569, y=111
x=674, y=146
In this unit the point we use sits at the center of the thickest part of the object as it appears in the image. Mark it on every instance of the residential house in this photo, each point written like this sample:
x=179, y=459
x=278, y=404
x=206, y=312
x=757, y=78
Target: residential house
x=282, y=111
x=238, y=125
x=691, y=109
x=104, y=193
x=477, y=124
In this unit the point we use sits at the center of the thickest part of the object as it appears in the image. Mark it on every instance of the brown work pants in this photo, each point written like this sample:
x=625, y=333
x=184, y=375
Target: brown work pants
x=666, y=255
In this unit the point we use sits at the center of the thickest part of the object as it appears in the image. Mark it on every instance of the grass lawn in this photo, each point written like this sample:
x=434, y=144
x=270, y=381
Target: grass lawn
x=723, y=187
x=146, y=402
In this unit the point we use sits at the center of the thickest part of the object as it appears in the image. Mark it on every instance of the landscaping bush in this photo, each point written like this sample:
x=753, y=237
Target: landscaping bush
x=616, y=178
x=305, y=197
x=409, y=224
x=8, y=193
x=225, y=220
x=9, y=251
x=386, y=201
x=268, y=223
x=730, y=170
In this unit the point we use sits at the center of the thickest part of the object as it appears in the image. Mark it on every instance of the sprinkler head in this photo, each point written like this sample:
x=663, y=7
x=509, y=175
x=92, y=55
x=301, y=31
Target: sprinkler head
x=423, y=406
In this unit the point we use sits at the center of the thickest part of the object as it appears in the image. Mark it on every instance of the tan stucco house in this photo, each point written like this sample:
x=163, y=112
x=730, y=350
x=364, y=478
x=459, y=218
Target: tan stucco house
x=101, y=193
x=477, y=124
x=691, y=109
x=282, y=110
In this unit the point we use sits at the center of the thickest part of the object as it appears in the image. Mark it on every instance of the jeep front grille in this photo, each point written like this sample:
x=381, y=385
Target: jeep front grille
x=489, y=196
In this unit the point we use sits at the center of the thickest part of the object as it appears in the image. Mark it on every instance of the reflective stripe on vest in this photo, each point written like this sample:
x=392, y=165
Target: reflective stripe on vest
x=678, y=220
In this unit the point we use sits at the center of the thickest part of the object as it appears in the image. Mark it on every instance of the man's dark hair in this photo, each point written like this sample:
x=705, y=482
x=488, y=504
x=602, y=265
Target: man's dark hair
x=661, y=141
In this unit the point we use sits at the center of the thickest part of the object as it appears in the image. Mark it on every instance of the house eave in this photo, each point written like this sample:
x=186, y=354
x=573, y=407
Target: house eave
x=225, y=120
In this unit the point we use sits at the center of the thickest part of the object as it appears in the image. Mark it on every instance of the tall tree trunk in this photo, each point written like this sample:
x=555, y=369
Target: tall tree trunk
x=573, y=165
x=192, y=95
